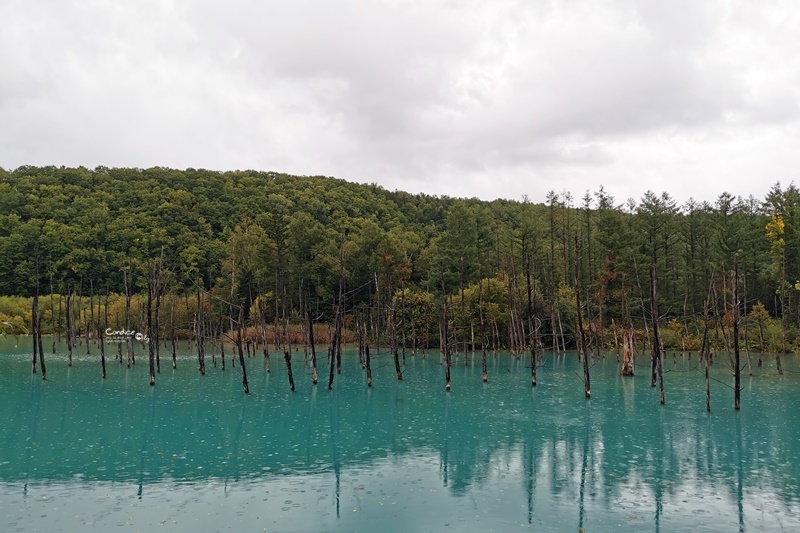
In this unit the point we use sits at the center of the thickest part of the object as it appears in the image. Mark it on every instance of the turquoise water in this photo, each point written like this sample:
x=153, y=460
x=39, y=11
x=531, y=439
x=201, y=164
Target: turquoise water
x=193, y=453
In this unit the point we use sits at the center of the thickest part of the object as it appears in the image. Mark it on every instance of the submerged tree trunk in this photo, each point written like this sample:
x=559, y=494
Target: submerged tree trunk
x=737, y=371
x=532, y=341
x=68, y=314
x=332, y=348
x=532, y=327
x=582, y=345
x=35, y=319
x=581, y=334
x=34, y=336
x=485, y=374
x=155, y=337
x=198, y=321
x=311, y=346
x=222, y=340
x=704, y=355
x=172, y=334
x=628, y=352
x=367, y=363
x=128, y=342
x=241, y=353
x=151, y=348
x=446, y=346
x=100, y=325
x=394, y=346
x=287, y=357
x=657, y=364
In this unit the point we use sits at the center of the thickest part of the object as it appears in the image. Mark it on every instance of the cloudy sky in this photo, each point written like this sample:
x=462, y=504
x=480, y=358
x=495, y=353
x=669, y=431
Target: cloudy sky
x=491, y=99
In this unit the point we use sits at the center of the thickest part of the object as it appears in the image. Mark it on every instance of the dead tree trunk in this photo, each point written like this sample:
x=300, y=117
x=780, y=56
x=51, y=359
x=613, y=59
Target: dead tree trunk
x=263, y=320
x=38, y=334
x=35, y=319
x=367, y=358
x=628, y=353
x=332, y=348
x=287, y=357
x=341, y=308
x=582, y=344
x=657, y=365
x=311, y=345
x=241, y=353
x=198, y=321
x=102, y=348
x=90, y=325
x=128, y=341
x=737, y=371
x=150, y=348
x=704, y=355
x=446, y=346
x=483, y=330
x=68, y=311
x=532, y=327
x=394, y=345
x=172, y=334
x=53, y=312
x=581, y=334
x=222, y=339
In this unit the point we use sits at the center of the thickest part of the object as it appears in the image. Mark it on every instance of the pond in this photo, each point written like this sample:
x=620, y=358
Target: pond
x=193, y=453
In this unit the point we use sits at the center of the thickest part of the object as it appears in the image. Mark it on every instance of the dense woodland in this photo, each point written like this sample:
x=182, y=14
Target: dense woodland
x=264, y=260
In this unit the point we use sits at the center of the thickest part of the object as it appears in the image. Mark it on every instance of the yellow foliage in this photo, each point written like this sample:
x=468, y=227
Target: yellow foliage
x=775, y=229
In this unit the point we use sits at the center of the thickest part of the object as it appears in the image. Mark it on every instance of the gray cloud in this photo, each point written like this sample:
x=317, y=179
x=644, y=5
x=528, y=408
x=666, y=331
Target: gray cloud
x=494, y=99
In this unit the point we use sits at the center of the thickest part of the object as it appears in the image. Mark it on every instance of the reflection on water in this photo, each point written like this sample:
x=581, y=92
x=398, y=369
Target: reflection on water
x=194, y=453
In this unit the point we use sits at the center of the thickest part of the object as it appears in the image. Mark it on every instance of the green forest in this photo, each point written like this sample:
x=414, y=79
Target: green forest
x=264, y=259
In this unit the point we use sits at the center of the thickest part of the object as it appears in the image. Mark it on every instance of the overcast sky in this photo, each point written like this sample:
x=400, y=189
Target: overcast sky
x=494, y=99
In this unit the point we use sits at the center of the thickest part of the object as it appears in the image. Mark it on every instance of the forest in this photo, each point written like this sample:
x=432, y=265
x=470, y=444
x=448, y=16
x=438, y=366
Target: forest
x=264, y=261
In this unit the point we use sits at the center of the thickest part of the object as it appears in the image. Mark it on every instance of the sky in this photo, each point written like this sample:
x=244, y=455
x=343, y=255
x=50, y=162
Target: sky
x=498, y=99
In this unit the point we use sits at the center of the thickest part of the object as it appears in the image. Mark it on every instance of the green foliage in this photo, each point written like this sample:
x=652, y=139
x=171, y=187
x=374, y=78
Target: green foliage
x=244, y=234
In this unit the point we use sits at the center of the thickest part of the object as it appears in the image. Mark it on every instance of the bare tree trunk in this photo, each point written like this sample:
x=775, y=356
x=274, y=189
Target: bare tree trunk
x=367, y=358
x=34, y=327
x=737, y=371
x=446, y=346
x=128, y=342
x=90, y=324
x=311, y=345
x=783, y=314
x=263, y=320
x=483, y=330
x=172, y=334
x=581, y=334
x=241, y=353
x=582, y=339
x=102, y=347
x=36, y=323
x=394, y=346
x=198, y=321
x=156, y=337
x=705, y=355
x=151, y=349
x=68, y=311
x=628, y=353
x=53, y=310
x=657, y=364
x=532, y=327
x=222, y=339
x=332, y=348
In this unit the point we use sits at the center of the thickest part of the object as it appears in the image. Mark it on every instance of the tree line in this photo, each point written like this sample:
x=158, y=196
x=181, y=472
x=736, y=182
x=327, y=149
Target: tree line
x=264, y=261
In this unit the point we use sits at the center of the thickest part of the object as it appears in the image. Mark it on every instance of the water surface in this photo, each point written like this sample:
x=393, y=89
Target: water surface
x=193, y=453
